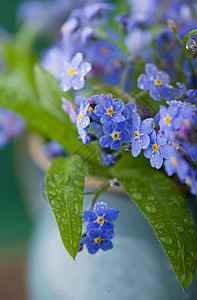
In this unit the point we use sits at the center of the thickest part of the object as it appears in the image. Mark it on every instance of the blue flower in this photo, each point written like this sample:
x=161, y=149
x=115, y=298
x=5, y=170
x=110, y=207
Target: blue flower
x=129, y=113
x=110, y=110
x=100, y=214
x=176, y=164
x=167, y=116
x=157, y=150
x=157, y=82
x=190, y=94
x=98, y=239
x=137, y=39
x=141, y=131
x=72, y=73
x=108, y=159
x=54, y=149
x=10, y=126
x=191, y=180
x=115, y=135
x=83, y=122
x=52, y=61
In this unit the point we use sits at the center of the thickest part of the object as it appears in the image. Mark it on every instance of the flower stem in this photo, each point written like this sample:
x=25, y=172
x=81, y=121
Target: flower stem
x=97, y=193
x=188, y=57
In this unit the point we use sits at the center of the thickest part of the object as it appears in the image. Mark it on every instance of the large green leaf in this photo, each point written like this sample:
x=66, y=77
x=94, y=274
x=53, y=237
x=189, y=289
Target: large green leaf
x=166, y=210
x=65, y=186
x=50, y=93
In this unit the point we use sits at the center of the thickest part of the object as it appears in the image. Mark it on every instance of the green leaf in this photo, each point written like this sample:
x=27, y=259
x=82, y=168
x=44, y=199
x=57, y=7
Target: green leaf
x=50, y=93
x=166, y=210
x=65, y=186
x=41, y=120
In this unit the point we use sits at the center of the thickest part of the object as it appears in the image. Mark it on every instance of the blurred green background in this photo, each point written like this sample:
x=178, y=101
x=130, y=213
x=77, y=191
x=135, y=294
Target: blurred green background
x=15, y=223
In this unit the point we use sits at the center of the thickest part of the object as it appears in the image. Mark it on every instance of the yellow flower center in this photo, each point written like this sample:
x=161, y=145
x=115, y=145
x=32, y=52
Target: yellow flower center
x=174, y=162
x=79, y=117
x=104, y=49
x=157, y=82
x=91, y=110
x=188, y=181
x=71, y=71
x=100, y=220
x=115, y=135
x=110, y=111
x=167, y=120
x=74, y=106
x=98, y=240
x=155, y=147
x=137, y=134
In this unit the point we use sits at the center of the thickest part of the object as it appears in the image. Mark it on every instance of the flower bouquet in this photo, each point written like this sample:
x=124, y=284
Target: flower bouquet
x=114, y=97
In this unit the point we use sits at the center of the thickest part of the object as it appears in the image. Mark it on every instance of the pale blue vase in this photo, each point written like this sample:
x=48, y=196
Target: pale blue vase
x=136, y=268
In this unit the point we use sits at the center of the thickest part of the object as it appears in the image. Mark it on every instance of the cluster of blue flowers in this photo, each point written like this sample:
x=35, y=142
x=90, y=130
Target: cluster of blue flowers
x=100, y=227
x=170, y=135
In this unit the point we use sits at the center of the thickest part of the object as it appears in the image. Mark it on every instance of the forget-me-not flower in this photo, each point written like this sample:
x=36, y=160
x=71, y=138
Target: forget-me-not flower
x=73, y=73
x=157, y=82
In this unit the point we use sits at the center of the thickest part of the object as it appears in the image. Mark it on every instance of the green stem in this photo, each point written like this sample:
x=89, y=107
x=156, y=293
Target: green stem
x=97, y=194
x=183, y=43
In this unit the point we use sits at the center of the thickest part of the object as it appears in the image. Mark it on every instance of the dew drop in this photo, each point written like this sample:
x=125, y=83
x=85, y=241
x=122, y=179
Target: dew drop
x=136, y=196
x=52, y=203
x=150, y=197
x=183, y=277
x=166, y=240
x=160, y=225
x=180, y=228
x=192, y=230
x=171, y=252
x=188, y=221
x=191, y=44
x=151, y=208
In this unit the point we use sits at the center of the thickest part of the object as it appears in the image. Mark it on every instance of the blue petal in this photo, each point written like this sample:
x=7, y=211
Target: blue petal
x=99, y=110
x=107, y=234
x=105, y=141
x=89, y=216
x=118, y=106
x=77, y=60
x=136, y=148
x=93, y=248
x=94, y=233
x=145, y=140
x=155, y=92
x=143, y=82
x=106, y=245
x=166, y=93
x=86, y=240
x=118, y=117
x=92, y=225
x=107, y=102
x=147, y=125
x=112, y=214
x=156, y=160
x=148, y=152
x=100, y=208
x=151, y=70
x=115, y=145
